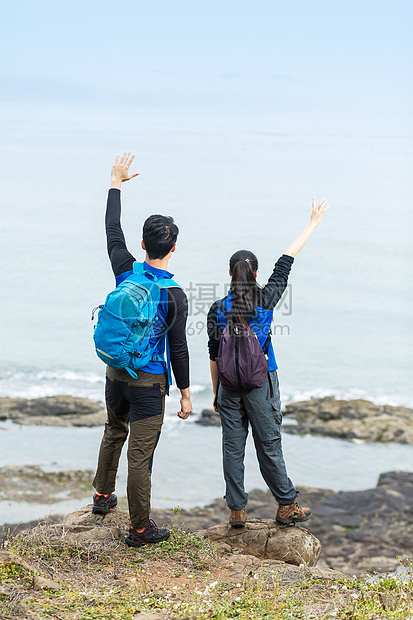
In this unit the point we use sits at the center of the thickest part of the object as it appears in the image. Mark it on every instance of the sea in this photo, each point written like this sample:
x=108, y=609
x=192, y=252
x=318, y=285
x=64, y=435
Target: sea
x=342, y=328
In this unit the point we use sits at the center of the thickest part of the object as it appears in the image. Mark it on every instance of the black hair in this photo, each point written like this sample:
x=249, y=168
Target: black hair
x=159, y=235
x=244, y=288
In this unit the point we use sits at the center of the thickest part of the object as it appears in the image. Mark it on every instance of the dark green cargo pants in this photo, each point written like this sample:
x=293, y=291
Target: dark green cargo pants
x=135, y=407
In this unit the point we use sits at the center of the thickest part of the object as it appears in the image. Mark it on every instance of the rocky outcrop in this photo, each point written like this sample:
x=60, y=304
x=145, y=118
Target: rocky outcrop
x=84, y=525
x=344, y=419
x=31, y=484
x=359, y=531
x=351, y=419
x=53, y=411
x=366, y=530
x=209, y=417
x=265, y=538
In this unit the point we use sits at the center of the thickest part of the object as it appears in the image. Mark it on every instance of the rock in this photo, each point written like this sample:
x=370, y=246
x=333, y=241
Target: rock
x=366, y=530
x=84, y=526
x=293, y=546
x=41, y=583
x=241, y=566
x=351, y=419
x=148, y=616
x=346, y=419
x=395, y=478
x=266, y=539
x=7, y=557
x=53, y=411
x=31, y=484
x=209, y=417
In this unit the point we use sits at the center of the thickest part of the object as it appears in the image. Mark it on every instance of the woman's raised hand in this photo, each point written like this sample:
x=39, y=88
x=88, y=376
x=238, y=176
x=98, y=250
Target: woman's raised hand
x=318, y=212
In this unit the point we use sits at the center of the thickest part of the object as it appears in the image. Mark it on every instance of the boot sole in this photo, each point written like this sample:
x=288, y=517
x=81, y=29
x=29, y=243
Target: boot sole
x=237, y=523
x=292, y=521
x=141, y=543
x=102, y=510
x=134, y=543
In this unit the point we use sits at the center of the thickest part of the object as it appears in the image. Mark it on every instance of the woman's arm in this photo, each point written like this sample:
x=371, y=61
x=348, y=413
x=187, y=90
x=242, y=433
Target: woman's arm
x=316, y=217
x=214, y=377
x=214, y=334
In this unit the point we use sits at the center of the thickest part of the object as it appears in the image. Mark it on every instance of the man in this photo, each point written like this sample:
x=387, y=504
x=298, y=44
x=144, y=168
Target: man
x=136, y=406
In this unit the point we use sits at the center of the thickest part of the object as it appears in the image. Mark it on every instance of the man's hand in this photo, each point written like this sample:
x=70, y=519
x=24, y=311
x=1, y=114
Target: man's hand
x=120, y=170
x=186, y=408
x=317, y=213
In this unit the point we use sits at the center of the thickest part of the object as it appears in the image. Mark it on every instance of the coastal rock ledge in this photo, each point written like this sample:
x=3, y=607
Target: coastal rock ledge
x=351, y=419
x=60, y=410
x=344, y=419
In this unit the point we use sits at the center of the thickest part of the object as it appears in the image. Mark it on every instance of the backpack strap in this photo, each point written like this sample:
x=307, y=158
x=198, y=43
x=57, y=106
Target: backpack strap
x=163, y=283
x=139, y=268
x=168, y=283
x=267, y=343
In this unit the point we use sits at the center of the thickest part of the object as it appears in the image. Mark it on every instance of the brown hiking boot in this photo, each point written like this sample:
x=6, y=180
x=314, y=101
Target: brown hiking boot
x=237, y=518
x=292, y=513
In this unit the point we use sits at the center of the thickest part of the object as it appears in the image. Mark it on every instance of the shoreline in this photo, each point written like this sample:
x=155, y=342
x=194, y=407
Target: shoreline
x=354, y=420
x=360, y=531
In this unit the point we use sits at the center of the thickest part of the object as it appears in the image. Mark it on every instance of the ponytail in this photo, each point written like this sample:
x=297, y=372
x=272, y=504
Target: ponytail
x=244, y=289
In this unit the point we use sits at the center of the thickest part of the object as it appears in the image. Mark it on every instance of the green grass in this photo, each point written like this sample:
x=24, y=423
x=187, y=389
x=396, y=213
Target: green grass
x=181, y=577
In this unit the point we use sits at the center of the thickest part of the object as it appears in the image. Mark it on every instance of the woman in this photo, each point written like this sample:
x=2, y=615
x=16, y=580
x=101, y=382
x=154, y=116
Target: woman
x=249, y=307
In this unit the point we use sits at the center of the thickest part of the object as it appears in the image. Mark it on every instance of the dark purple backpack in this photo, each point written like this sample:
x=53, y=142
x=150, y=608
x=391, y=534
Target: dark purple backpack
x=242, y=364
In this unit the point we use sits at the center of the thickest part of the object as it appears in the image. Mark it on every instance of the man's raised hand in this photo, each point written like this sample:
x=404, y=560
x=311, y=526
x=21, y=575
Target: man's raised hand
x=120, y=170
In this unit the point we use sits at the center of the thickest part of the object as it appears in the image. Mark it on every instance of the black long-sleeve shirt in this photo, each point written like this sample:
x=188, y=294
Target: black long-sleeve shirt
x=174, y=311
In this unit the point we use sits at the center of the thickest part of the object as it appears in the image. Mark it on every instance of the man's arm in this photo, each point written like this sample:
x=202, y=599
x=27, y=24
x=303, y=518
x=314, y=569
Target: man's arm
x=121, y=259
x=178, y=347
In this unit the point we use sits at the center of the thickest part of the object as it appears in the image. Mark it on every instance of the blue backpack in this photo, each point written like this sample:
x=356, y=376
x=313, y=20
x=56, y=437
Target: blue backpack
x=124, y=328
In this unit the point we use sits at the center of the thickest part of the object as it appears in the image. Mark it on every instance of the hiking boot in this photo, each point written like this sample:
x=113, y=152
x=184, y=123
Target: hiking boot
x=237, y=518
x=102, y=503
x=292, y=513
x=151, y=534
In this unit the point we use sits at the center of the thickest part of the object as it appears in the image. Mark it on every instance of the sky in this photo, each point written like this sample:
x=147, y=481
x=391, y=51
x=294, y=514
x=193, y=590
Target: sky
x=351, y=59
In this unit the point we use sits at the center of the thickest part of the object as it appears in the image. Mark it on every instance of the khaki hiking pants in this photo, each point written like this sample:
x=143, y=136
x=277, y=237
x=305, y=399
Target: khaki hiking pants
x=135, y=407
x=259, y=408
